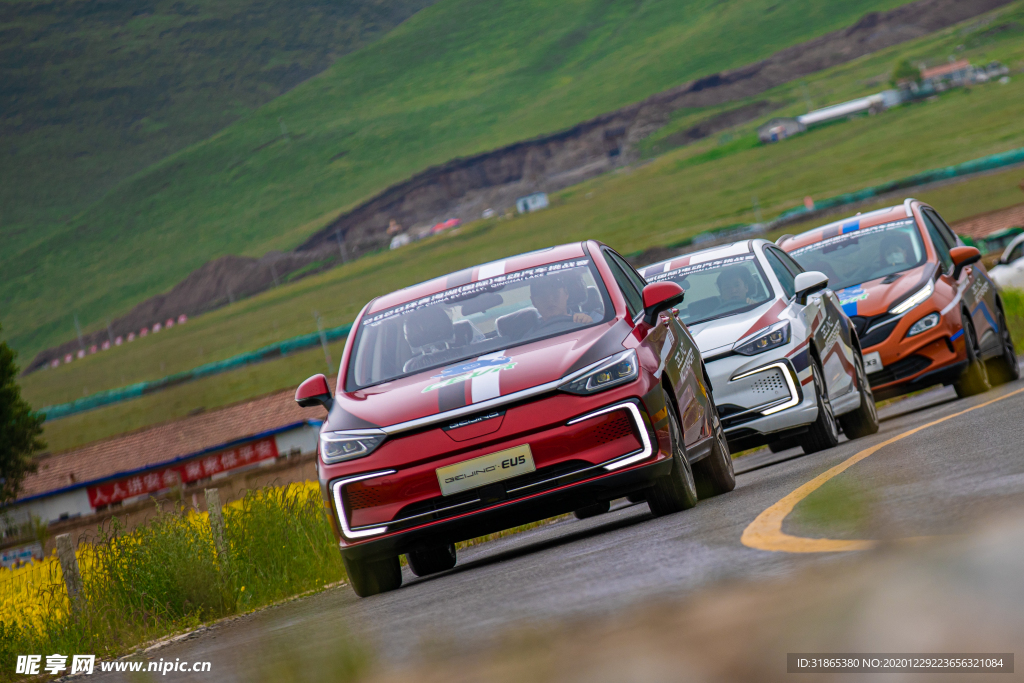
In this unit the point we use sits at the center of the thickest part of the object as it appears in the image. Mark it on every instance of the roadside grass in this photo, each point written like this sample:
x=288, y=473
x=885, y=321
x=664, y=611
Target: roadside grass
x=1013, y=302
x=165, y=576
x=457, y=78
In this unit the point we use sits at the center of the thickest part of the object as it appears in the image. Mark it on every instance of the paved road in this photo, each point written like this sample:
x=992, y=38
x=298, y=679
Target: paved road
x=935, y=482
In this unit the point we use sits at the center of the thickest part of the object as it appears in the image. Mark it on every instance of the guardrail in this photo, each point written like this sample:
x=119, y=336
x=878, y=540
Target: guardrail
x=131, y=391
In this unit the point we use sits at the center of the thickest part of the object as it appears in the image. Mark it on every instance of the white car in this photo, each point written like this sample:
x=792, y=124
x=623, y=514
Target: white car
x=784, y=360
x=1009, y=272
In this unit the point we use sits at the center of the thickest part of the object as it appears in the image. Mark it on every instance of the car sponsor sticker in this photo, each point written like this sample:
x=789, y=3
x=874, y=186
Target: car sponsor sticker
x=465, y=368
x=872, y=362
x=486, y=469
x=469, y=376
x=851, y=295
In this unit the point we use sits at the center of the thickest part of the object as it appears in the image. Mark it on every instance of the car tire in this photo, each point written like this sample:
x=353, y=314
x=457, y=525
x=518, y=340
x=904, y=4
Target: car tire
x=973, y=380
x=675, y=491
x=824, y=431
x=715, y=475
x=370, y=577
x=864, y=420
x=432, y=560
x=783, y=445
x=593, y=510
x=1004, y=368
x=638, y=497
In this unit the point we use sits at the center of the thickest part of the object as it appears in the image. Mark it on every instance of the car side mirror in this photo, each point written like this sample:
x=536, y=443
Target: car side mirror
x=314, y=392
x=808, y=283
x=658, y=297
x=963, y=257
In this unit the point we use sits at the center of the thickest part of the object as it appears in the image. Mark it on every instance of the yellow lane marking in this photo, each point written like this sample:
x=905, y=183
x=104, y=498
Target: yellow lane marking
x=765, y=532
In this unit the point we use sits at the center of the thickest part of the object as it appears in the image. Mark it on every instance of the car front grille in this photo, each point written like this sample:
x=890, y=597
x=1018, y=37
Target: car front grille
x=901, y=369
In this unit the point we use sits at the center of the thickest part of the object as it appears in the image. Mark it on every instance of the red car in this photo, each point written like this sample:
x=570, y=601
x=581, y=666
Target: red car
x=545, y=383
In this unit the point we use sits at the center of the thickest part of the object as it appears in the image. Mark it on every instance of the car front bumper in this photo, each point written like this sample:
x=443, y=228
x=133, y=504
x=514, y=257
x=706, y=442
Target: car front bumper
x=585, y=450
x=762, y=397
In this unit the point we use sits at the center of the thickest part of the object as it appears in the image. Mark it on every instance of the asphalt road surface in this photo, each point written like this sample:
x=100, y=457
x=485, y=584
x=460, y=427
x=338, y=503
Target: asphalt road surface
x=935, y=482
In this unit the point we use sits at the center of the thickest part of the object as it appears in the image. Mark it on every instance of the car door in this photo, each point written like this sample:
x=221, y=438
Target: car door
x=678, y=356
x=977, y=290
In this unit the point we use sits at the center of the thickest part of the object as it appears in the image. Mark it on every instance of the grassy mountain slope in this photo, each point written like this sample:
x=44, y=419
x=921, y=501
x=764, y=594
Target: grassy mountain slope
x=680, y=193
x=92, y=91
x=460, y=77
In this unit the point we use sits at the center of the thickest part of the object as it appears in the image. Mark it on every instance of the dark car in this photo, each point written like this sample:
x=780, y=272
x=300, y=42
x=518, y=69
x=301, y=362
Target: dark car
x=514, y=391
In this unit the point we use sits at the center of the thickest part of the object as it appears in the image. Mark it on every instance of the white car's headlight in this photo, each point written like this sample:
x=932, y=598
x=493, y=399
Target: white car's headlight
x=342, y=446
x=924, y=324
x=611, y=372
x=914, y=299
x=771, y=337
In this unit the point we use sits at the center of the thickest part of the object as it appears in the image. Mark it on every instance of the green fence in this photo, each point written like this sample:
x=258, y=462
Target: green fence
x=277, y=350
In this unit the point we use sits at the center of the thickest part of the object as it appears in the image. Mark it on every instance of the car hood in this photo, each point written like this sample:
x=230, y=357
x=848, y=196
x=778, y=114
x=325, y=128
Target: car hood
x=875, y=297
x=475, y=380
x=715, y=336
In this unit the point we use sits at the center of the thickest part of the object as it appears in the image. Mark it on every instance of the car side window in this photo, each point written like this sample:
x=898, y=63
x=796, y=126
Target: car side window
x=621, y=273
x=1016, y=253
x=947, y=232
x=938, y=241
x=786, y=278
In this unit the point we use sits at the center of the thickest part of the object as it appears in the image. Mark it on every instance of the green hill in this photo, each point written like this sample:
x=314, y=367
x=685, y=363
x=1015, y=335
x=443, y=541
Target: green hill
x=92, y=91
x=459, y=77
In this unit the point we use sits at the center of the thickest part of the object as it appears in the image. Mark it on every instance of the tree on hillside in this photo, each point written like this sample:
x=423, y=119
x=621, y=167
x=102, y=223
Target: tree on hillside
x=905, y=72
x=20, y=429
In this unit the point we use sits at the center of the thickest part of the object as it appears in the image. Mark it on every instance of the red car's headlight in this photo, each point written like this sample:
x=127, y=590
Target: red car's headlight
x=342, y=446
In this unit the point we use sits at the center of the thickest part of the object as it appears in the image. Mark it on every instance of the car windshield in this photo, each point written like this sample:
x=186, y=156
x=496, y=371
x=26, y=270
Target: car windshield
x=719, y=288
x=866, y=254
x=476, y=319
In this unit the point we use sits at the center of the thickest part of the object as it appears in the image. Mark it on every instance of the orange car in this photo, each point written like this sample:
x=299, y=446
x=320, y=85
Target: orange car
x=925, y=310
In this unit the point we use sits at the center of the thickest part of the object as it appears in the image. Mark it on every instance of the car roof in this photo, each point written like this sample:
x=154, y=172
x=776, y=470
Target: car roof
x=702, y=256
x=483, y=271
x=861, y=220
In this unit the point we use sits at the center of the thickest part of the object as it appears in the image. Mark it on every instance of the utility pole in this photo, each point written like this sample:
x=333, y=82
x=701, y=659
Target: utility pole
x=323, y=341
x=757, y=210
x=273, y=271
x=807, y=97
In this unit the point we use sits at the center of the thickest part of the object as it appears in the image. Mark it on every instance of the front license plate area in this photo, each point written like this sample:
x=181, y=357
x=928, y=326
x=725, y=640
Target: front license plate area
x=487, y=469
x=872, y=362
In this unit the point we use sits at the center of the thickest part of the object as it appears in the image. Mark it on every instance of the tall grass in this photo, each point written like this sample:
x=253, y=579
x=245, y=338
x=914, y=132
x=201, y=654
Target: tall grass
x=166, y=576
x=1013, y=303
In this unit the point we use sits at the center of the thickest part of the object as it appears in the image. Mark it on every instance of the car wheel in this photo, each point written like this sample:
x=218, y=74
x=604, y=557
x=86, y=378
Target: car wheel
x=864, y=420
x=593, y=510
x=974, y=379
x=676, y=491
x=638, y=497
x=714, y=474
x=369, y=577
x=823, y=432
x=783, y=445
x=1004, y=368
x=432, y=560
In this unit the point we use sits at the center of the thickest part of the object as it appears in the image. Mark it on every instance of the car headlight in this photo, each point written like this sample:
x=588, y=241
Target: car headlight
x=914, y=299
x=342, y=446
x=924, y=324
x=770, y=338
x=611, y=372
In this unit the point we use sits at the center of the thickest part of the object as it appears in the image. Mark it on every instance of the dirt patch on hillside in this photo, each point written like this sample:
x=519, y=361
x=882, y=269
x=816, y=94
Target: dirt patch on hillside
x=463, y=188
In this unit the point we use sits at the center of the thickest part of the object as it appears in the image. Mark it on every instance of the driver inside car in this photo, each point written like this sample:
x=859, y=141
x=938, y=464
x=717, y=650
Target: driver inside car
x=895, y=251
x=735, y=285
x=550, y=296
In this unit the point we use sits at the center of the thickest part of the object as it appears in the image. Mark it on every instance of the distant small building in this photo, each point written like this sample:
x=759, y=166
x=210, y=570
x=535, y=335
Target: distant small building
x=779, y=128
x=532, y=202
x=955, y=73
